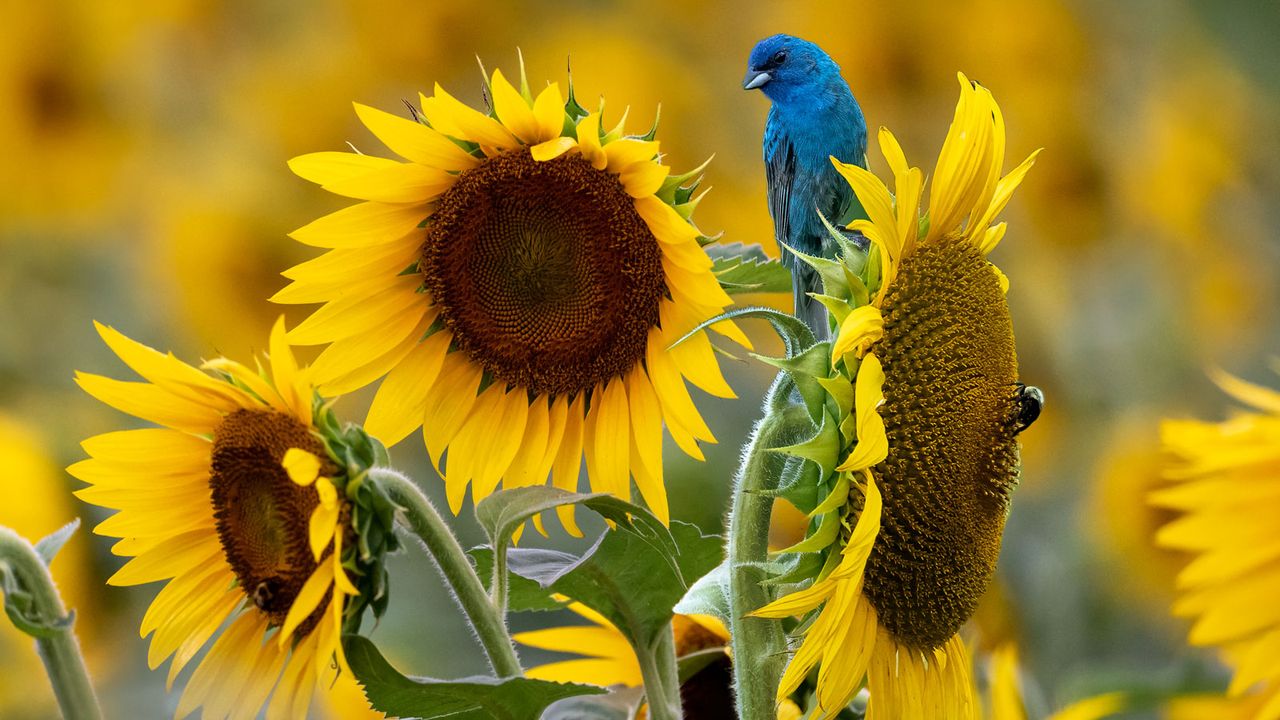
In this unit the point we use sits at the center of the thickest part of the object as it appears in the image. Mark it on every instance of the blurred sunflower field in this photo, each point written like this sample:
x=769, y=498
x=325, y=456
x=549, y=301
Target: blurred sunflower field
x=144, y=184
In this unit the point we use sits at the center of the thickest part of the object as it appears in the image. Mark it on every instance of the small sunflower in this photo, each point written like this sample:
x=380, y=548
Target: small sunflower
x=925, y=374
x=1223, y=483
x=519, y=280
x=237, y=504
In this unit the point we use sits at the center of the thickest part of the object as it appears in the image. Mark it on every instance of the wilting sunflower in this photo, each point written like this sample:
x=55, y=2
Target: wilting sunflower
x=238, y=504
x=519, y=280
x=612, y=661
x=925, y=375
x=1224, y=485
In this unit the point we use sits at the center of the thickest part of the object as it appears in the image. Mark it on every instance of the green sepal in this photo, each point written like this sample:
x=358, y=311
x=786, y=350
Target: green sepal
x=475, y=698
x=827, y=532
x=653, y=129
x=48, y=546
x=831, y=272
x=823, y=449
x=838, y=496
x=670, y=193
x=572, y=109
x=790, y=568
x=804, y=369
x=830, y=562
x=840, y=391
x=837, y=308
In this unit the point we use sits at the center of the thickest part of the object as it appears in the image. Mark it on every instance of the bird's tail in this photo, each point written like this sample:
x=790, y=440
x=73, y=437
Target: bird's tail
x=804, y=280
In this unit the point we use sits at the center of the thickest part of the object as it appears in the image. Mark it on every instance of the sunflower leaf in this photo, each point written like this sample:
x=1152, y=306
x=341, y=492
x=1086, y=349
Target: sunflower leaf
x=501, y=513
x=474, y=698
x=633, y=583
x=621, y=703
x=523, y=594
x=709, y=595
x=746, y=269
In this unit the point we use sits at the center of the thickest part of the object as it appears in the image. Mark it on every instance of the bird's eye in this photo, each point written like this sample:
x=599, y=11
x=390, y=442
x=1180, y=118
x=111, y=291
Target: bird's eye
x=779, y=57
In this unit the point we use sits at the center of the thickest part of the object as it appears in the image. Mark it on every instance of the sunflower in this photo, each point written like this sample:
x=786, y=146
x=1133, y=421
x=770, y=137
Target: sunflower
x=612, y=661
x=925, y=373
x=237, y=504
x=1223, y=484
x=519, y=280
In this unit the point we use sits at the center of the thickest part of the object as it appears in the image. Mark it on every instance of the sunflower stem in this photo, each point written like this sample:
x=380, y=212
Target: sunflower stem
x=498, y=585
x=486, y=619
x=55, y=639
x=759, y=645
x=661, y=681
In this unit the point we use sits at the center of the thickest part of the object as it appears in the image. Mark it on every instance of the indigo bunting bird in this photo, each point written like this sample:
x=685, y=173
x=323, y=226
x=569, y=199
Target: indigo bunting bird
x=814, y=117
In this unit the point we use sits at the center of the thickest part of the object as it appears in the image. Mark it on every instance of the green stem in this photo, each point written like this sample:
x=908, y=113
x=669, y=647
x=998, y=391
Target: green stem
x=759, y=644
x=57, y=646
x=498, y=585
x=661, y=682
x=422, y=518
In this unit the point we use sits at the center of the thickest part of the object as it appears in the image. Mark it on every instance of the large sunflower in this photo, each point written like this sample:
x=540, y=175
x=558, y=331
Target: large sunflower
x=519, y=279
x=235, y=503
x=926, y=374
x=1224, y=486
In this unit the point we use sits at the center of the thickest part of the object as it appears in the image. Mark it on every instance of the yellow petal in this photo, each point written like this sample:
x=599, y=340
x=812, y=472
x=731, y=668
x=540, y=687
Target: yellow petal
x=513, y=110
x=360, y=226
x=612, y=441
x=313, y=592
x=414, y=141
x=397, y=183
x=323, y=523
x=323, y=168
x=401, y=401
x=548, y=112
x=302, y=466
x=446, y=411
x=452, y=117
x=589, y=141
x=567, y=467
x=552, y=149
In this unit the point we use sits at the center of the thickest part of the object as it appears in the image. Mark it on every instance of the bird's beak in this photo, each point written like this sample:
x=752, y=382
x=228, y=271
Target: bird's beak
x=755, y=79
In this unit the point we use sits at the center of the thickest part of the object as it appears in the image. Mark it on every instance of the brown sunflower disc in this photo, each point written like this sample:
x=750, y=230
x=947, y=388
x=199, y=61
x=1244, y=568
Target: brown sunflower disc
x=544, y=272
x=949, y=412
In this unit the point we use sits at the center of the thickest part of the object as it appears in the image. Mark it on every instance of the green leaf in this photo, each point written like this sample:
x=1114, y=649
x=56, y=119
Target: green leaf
x=631, y=582
x=476, y=698
x=709, y=595
x=746, y=269
x=795, y=334
x=522, y=593
x=620, y=704
x=48, y=546
x=502, y=512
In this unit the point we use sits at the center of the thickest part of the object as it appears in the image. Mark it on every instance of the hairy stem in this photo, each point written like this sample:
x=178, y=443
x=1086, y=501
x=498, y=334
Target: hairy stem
x=759, y=645
x=56, y=645
x=421, y=517
x=661, y=682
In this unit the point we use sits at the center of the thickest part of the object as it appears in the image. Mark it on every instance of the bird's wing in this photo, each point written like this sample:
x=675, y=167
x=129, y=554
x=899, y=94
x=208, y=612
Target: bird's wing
x=780, y=177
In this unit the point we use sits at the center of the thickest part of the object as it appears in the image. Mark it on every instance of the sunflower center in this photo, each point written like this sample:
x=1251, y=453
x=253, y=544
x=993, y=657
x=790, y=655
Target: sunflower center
x=950, y=413
x=544, y=272
x=262, y=516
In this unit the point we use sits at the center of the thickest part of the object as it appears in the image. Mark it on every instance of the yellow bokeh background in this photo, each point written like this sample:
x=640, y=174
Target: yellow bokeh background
x=143, y=183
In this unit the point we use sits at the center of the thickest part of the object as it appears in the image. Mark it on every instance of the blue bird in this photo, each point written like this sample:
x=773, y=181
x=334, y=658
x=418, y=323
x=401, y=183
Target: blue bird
x=814, y=117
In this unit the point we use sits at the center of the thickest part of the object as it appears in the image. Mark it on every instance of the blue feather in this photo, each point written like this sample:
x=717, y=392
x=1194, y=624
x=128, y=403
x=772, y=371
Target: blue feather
x=814, y=117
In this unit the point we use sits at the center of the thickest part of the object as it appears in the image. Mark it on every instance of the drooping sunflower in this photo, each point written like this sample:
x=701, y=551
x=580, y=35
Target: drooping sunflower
x=519, y=279
x=1223, y=483
x=237, y=503
x=924, y=372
